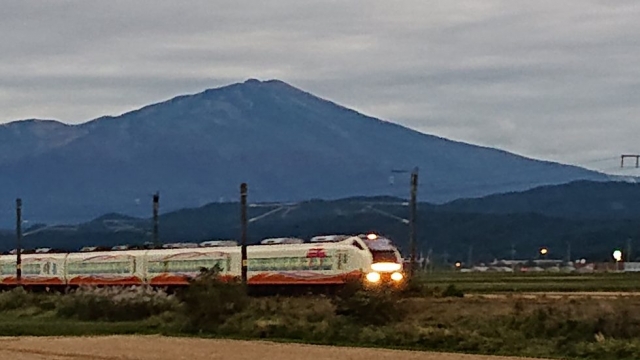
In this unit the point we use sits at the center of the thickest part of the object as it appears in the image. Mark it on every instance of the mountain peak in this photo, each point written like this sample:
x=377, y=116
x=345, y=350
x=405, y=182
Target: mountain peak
x=270, y=81
x=252, y=81
x=273, y=83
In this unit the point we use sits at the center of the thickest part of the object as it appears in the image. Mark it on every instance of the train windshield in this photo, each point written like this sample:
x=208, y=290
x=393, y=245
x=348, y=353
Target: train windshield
x=382, y=249
x=384, y=256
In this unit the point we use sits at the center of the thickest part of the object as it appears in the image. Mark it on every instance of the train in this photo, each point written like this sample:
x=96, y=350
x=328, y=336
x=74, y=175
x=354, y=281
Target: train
x=324, y=260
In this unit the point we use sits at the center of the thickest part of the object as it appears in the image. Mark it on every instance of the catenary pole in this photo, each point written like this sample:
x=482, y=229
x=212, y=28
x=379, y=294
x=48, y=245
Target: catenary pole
x=19, y=241
x=156, y=207
x=412, y=220
x=243, y=234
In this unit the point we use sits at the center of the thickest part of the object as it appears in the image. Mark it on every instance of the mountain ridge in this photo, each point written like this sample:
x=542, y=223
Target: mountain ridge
x=591, y=227
x=288, y=144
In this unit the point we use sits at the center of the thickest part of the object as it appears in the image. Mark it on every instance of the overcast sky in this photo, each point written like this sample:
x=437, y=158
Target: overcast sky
x=556, y=80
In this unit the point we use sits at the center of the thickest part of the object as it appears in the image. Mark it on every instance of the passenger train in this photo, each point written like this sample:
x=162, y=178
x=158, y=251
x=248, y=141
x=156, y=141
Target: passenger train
x=324, y=260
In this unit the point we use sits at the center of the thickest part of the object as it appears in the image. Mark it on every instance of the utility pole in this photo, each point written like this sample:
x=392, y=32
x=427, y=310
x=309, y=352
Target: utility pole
x=568, y=251
x=622, y=157
x=156, y=207
x=412, y=220
x=470, y=257
x=633, y=156
x=243, y=230
x=19, y=241
x=513, y=257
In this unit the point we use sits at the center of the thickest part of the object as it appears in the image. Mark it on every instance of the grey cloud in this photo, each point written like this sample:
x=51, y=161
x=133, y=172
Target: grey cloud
x=546, y=79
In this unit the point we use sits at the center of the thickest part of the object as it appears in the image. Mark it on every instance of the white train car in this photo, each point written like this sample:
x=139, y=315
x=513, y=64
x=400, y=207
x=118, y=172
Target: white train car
x=105, y=268
x=37, y=269
x=174, y=267
x=308, y=263
x=329, y=260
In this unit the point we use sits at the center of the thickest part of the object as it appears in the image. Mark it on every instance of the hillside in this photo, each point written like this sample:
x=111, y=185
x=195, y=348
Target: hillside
x=450, y=234
x=287, y=144
x=576, y=200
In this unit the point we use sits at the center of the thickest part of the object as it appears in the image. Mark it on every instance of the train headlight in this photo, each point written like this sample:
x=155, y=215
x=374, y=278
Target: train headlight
x=385, y=267
x=396, y=276
x=373, y=277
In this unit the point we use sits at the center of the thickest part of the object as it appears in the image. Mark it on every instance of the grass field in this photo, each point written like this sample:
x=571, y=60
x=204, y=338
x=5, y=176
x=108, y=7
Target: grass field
x=540, y=327
x=495, y=315
x=533, y=282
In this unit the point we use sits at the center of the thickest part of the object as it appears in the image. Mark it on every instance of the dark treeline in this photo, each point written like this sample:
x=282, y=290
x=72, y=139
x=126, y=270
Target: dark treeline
x=449, y=235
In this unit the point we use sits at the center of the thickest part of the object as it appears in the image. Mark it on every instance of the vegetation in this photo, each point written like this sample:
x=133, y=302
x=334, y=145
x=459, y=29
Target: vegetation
x=493, y=282
x=208, y=303
x=421, y=317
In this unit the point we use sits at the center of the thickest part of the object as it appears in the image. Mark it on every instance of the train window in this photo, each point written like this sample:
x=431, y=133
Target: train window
x=291, y=264
x=31, y=269
x=186, y=265
x=315, y=263
x=384, y=256
x=326, y=263
x=8, y=268
x=115, y=267
x=255, y=264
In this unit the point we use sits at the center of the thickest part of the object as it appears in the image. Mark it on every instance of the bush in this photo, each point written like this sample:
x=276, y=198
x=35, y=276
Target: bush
x=15, y=299
x=208, y=302
x=115, y=303
x=452, y=291
x=19, y=298
x=377, y=306
x=607, y=350
x=307, y=318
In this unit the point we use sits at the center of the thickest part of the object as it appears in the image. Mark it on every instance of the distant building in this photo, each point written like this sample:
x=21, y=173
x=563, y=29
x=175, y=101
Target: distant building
x=632, y=267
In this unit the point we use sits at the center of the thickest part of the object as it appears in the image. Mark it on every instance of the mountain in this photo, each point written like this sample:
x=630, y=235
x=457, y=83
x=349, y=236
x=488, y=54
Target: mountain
x=288, y=145
x=575, y=200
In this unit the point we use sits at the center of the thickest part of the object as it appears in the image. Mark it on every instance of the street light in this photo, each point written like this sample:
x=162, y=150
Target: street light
x=617, y=256
x=544, y=251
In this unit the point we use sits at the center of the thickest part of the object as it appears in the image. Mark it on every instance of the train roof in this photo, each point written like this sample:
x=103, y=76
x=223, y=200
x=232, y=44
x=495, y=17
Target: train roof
x=372, y=241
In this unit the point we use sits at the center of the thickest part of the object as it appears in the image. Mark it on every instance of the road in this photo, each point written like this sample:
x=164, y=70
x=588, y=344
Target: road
x=166, y=348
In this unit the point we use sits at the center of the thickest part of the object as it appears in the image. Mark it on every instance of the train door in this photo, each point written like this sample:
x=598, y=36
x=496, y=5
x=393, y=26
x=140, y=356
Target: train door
x=342, y=260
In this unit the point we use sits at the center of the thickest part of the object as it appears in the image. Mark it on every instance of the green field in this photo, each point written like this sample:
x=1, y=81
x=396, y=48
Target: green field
x=533, y=282
x=428, y=316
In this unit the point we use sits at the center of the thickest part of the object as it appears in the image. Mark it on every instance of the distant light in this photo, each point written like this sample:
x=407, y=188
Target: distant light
x=617, y=255
x=372, y=236
x=458, y=264
x=544, y=251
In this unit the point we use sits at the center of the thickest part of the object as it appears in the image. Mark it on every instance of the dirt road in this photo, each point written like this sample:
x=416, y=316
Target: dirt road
x=164, y=348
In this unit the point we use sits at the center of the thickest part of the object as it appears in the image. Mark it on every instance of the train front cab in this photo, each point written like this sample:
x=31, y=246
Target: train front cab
x=386, y=265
